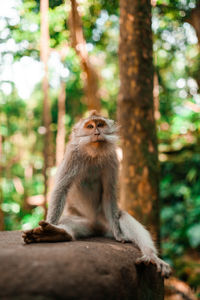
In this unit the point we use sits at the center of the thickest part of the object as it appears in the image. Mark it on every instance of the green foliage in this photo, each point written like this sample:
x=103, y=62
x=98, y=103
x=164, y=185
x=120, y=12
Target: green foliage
x=177, y=62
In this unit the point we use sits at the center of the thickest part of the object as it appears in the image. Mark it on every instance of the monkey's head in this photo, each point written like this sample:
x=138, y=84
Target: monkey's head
x=95, y=134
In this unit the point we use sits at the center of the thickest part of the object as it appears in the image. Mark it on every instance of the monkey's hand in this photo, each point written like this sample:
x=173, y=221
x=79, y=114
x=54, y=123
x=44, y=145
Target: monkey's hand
x=161, y=266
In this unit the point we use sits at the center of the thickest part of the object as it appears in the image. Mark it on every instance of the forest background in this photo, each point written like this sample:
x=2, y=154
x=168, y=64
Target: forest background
x=47, y=82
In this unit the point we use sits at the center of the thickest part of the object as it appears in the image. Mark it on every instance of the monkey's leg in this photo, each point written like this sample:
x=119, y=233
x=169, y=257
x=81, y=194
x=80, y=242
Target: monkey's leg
x=77, y=227
x=133, y=231
x=46, y=233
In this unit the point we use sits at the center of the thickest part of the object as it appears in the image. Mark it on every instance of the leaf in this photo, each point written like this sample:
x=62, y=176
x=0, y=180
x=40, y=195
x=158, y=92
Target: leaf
x=193, y=234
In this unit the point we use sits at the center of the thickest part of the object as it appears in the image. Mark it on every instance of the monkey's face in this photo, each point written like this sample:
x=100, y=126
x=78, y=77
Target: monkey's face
x=97, y=130
x=95, y=133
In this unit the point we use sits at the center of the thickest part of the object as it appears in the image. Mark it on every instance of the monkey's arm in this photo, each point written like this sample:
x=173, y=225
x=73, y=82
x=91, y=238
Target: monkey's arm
x=66, y=173
x=109, y=198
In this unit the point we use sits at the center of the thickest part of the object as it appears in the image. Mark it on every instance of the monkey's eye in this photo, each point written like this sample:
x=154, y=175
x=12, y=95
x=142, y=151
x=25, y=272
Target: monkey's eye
x=100, y=125
x=90, y=126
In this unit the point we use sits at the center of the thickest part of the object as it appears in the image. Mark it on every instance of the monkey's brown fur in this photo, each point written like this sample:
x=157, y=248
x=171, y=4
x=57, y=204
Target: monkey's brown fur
x=86, y=186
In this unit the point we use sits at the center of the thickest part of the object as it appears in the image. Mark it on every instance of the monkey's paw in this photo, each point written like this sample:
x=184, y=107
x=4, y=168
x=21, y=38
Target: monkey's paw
x=161, y=266
x=45, y=233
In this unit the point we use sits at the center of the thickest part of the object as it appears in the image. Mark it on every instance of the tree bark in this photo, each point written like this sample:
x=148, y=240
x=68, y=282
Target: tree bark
x=139, y=176
x=156, y=96
x=1, y=216
x=44, y=55
x=60, y=138
x=98, y=268
x=194, y=20
x=79, y=44
x=1, y=192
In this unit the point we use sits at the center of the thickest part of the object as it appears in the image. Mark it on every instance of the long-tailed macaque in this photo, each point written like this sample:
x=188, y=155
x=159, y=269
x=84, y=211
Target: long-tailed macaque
x=86, y=186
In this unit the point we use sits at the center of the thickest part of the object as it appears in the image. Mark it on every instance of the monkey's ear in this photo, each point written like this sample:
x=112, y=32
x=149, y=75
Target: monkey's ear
x=93, y=113
x=117, y=127
x=76, y=126
x=114, y=125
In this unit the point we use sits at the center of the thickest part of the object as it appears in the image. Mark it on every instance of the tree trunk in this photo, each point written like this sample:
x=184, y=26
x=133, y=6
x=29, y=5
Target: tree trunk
x=1, y=215
x=44, y=55
x=156, y=96
x=79, y=44
x=1, y=192
x=194, y=20
x=60, y=138
x=100, y=269
x=139, y=176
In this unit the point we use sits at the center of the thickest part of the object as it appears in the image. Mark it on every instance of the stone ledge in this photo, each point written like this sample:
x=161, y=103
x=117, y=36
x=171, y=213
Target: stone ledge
x=95, y=269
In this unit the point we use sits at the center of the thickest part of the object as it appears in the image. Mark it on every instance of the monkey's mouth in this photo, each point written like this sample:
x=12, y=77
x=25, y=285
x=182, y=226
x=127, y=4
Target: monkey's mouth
x=98, y=139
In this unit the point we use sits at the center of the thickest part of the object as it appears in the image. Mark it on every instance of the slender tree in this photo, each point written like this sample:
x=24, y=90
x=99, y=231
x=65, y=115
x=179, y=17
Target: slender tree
x=139, y=176
x=79, y=44
x=156, y=96
x=60, y=138
x=44, y=55
x=194, y=20
x=1, y=192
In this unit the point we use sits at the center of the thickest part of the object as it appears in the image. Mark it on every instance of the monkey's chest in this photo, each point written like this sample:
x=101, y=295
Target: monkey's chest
x=90, y=184
x=92, y=180
x=85, y=194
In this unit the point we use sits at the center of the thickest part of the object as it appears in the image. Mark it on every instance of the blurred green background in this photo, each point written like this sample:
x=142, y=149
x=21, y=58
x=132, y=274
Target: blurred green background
x=176, y=88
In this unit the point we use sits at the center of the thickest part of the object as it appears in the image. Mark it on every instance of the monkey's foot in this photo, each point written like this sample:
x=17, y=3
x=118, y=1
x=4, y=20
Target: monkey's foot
x=161, y=266
x=45, y=233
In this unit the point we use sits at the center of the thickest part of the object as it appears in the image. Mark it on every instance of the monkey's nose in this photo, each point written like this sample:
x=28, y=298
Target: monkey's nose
x=97, y=133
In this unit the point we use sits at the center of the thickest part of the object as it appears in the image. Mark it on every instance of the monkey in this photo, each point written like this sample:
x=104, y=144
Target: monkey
x=83, y=202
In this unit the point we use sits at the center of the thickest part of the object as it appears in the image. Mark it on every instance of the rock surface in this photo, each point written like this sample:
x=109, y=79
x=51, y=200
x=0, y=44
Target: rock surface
x=96, y=269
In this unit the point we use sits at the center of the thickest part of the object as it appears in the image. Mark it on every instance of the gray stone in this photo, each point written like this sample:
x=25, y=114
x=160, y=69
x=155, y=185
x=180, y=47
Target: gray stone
x=95, y=269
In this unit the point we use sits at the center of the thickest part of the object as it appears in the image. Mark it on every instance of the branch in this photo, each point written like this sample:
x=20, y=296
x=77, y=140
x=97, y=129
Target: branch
x=79, y=44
